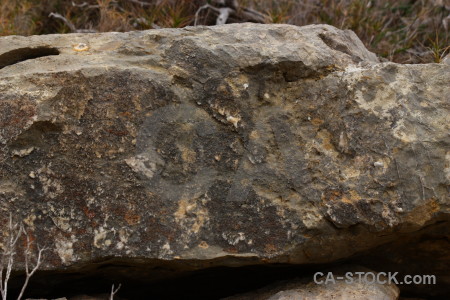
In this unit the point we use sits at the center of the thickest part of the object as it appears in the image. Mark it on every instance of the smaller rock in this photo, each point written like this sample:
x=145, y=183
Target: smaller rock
x=446, y=60
x=307, y=289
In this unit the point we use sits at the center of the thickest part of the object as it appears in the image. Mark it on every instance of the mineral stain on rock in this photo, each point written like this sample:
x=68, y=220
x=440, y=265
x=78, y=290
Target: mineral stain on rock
x=277, y=144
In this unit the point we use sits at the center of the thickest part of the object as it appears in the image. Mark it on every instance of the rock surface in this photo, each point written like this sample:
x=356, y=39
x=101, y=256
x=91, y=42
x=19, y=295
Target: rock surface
x=227, y=145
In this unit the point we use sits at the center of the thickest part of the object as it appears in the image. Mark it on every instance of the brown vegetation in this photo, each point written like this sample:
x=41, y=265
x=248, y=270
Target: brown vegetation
x=405, y=31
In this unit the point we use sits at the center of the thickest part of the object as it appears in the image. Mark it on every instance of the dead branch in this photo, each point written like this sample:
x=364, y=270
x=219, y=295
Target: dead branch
x=28, y=274
x=9, y=251
x=70, y=24
x=114, y=291
x=84, y=5
x=230, y=10
x=7, y=258
x=206, y=6
x=224, y=13
x=252, y=15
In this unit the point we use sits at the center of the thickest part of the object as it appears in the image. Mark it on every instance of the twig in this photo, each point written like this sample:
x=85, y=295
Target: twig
x=9, y=251
x=232, y=10
x=8, y=254
x=114, y=291
x=252, y=15
x=70, y=24
x=84, y=4
x=224, y=13
x=67, y=22
x=202, y=8
x=27, y=271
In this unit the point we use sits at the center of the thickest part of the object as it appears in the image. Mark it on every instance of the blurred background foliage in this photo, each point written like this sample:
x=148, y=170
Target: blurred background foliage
x=404, y=31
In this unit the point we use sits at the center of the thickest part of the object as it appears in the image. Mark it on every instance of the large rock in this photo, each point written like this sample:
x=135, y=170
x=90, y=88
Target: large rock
x=226, y=145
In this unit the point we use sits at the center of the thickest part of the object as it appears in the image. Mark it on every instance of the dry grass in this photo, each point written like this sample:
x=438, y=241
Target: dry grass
x=405, y=31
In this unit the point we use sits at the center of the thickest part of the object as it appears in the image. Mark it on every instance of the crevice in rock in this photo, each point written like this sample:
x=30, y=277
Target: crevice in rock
x=287, y=71
x=18, y=55
x=419, y=253
x=39, y=135
x=338, y=46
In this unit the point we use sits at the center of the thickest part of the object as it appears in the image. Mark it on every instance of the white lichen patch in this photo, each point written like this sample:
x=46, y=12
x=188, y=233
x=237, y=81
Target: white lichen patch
x=222, y=111
x=233, y=120
x=349, y=172
x=23, y=152
x=165, y=251
x=51, y=185
x=120, y=245
x=64, y=248
x=233, y=238
x=310, y=215
x=396, y=100
x=123, y=239
x=311, y=218
x=385, y=96
x=62, y=223
x=379, y=164
x=390, y=217
x=78, y=130
x=238, y=84
x=354, y=69
x=142, y=164
x=406, y=135
x=100, y=240
x=30, y=90
x=192, y=215
x=343, y=142
x=382, y=104
x=10, y=187
x=29, y=221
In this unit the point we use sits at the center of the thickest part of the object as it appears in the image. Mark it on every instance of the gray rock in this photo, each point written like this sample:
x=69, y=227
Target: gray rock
x=226, y=145
x=446, y=59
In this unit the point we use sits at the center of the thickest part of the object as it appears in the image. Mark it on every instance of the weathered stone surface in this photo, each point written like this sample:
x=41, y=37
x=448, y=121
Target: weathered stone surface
x=237, y=144
x=338, y=289
x=446, y=59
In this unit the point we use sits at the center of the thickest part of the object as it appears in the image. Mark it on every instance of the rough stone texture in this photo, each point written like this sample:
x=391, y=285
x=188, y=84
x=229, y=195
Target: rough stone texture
x=446, y=59
x=307, y=289
x=237, y=144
